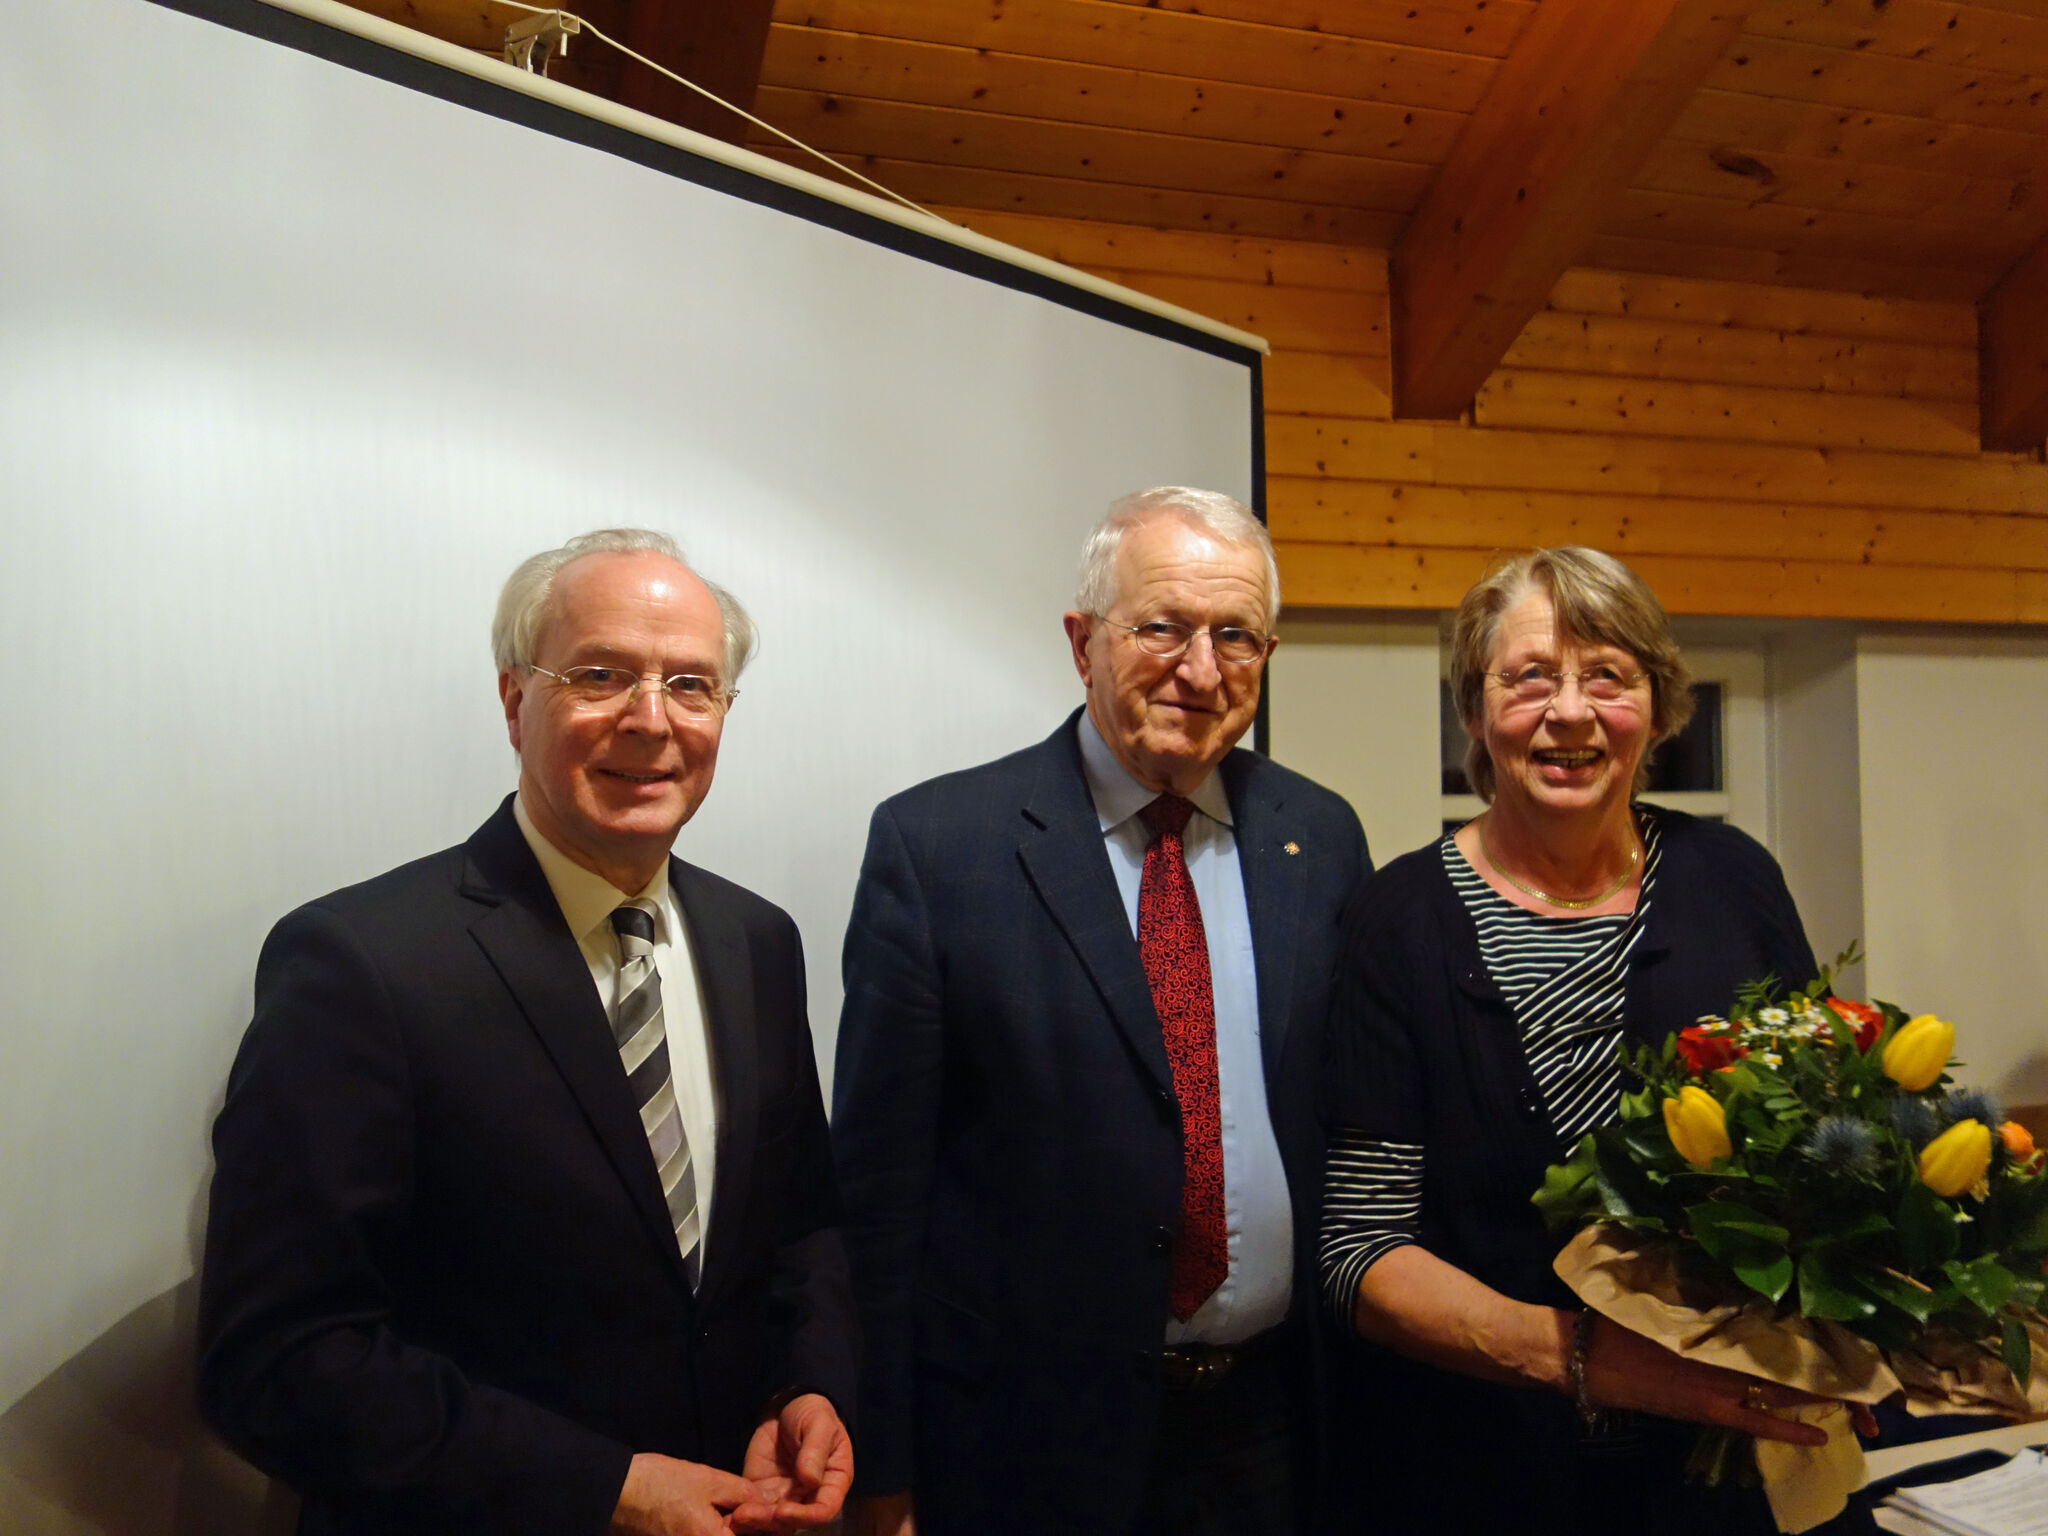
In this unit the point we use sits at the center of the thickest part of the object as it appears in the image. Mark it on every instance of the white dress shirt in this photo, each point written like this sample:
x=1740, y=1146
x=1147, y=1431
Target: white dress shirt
x=587, y=901
x=1258, y=1217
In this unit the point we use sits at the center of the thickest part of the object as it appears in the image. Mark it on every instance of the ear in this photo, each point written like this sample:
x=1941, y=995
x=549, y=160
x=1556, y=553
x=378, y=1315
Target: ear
x=1079, y=630
x=511, y=691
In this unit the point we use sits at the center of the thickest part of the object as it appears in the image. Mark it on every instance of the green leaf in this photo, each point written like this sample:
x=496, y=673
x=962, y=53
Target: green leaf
x=1927, y=1228
x=1769, y=1279
x=2015, y=1349
x=1821, y=1295
x=1567, y=1191
x=1985, y=1282
x=1911, y=1299
x=1734, y=1233
x=1870, y=1224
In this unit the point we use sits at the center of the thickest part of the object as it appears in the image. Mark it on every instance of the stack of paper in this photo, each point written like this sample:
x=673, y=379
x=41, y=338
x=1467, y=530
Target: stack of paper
x=2011, y=1500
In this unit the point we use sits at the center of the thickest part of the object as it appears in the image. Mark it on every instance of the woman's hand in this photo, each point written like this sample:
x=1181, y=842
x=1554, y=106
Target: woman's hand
x=1626, y=1370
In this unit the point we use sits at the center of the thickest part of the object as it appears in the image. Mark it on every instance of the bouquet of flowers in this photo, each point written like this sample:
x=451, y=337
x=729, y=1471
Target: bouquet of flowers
x=1799, y=1190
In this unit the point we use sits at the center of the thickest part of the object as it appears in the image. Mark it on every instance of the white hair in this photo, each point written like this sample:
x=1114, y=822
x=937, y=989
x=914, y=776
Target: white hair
x=523, y=604
x=1230, y=520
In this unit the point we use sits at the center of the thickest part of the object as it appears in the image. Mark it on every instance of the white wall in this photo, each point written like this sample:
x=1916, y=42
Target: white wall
x=1354, y=706
x=1816, y=812
x=1953, y=733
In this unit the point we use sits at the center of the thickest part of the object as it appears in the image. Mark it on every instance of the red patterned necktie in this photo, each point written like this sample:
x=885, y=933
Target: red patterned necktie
x=1175, y=953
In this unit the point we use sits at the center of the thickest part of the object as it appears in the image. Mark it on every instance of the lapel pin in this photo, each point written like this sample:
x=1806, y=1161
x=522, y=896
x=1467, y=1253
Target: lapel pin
x=1292, y=847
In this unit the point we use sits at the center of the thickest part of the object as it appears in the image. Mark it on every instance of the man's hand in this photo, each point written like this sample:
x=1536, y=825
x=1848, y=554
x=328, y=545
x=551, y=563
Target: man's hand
x=667, y=1497
x=799, y=1465
x=880, y=1514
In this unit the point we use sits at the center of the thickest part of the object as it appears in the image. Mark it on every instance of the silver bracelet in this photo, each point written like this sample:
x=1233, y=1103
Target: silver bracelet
x=1593, y=1419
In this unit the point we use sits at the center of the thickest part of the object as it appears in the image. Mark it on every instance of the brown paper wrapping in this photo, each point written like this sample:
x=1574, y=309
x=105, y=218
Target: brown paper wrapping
x=1636, y=1282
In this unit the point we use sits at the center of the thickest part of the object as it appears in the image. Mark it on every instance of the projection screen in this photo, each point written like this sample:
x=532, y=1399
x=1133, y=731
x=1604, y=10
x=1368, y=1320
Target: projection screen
x=306, y=342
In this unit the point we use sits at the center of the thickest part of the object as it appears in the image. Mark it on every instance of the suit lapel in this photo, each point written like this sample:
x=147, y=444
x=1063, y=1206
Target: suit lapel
x=1275, y=885
x=1063, y=854
x=522, y=932
x=725, y=973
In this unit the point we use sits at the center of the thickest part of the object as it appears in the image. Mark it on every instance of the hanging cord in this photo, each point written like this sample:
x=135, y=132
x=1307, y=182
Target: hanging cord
x=875, y=186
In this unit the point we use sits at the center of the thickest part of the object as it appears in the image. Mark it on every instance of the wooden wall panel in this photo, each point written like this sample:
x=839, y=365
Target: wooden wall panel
x=844, y=64
x=1751, y=449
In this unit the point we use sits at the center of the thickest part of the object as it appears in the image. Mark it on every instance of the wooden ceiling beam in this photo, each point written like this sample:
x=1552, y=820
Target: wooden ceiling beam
x=2012, y=357
x=715, y=43
x=1587, y=93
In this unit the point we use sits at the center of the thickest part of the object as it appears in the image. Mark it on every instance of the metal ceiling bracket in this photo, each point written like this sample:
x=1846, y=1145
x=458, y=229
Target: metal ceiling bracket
x=532, y=41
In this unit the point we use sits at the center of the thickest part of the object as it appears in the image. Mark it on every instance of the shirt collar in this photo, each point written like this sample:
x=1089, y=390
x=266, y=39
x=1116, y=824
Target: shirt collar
x=587, y=899
x=1118, y=797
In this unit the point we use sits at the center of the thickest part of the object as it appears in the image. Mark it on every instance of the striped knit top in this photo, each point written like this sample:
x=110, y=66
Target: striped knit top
x=1564, y=978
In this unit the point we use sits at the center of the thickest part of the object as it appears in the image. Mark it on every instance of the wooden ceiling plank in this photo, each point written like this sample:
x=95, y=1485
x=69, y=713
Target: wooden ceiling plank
x=1596, y=462
x=1858, y=136
x=1585, y=95
x=2012, y=330
x=1486, y=27
x=715, y=44
x=1908, y=242
x=847, y=125
x=1376, y=512
x=1937, y=31
x=1832, y=271
x=1850, y=79
x=1794, y=311
x=1799, y=181
x=1362, y=576
x=1063, y=197
x=1083, y=243
x=942, y=75
x=1650, y=348
x=1167, y=42
x=1318, y=384
x=1733, y=413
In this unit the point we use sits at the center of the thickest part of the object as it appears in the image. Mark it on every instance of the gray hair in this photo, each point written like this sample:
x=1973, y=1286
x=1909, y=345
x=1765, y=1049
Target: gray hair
x=1230, y=520
x=1598, y=601
x=523, y=604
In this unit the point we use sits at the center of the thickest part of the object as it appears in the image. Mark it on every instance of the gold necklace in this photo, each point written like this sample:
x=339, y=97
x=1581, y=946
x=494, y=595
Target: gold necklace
x=1635, y=857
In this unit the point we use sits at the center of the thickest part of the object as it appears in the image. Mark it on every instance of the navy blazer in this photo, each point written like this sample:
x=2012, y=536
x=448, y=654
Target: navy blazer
x=1008, y=1137
x=441, y=1291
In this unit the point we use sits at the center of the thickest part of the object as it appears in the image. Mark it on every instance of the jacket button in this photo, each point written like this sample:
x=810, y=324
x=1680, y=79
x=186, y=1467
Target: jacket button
x=1530, y=1105
x=1162, y=1240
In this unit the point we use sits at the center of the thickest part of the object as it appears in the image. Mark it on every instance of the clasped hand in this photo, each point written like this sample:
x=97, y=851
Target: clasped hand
x=798, y=1468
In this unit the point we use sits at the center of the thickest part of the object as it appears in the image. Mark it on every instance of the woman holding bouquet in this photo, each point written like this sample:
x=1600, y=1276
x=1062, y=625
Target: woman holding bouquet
x=1490, y=978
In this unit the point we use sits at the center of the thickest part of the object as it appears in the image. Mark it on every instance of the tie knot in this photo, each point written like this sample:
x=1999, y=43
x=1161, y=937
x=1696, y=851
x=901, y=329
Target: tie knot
x=1167, y=816
x=634, y=921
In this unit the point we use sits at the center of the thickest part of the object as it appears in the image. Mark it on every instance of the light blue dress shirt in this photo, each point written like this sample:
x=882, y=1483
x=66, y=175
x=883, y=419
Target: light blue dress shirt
x=1258, y=1217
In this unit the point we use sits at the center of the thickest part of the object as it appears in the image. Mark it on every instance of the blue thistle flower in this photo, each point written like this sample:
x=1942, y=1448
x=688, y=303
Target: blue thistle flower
x=1843, y=1145
x=1970, y=1104
x=1914, y=1119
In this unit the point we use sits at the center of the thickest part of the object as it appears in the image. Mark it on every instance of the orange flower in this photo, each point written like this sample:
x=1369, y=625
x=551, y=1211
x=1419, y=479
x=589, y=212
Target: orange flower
x=1861, y=1017
x=2019, y=1142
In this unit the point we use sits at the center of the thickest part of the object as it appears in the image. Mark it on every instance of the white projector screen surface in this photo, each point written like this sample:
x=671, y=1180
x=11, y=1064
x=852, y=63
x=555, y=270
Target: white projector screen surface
x=296, y=362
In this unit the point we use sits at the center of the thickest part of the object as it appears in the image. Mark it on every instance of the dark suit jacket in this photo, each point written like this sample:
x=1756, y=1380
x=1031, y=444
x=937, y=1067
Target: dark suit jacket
x=440, y=1290
x=1008, y=1137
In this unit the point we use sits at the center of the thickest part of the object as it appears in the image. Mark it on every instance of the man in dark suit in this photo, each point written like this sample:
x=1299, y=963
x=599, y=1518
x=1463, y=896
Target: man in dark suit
x=523, y=1217
x=1075, y=1102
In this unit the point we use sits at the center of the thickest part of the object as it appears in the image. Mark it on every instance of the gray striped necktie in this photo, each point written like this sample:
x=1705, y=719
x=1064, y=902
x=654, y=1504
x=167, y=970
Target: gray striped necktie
x=643, y=1048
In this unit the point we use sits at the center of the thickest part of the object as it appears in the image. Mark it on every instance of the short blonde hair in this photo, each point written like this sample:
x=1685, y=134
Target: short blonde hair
x=1599, y=601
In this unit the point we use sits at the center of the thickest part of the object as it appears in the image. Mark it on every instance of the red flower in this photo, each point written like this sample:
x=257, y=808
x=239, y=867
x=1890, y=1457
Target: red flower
x=1861, y=1017
x=1707, y=1050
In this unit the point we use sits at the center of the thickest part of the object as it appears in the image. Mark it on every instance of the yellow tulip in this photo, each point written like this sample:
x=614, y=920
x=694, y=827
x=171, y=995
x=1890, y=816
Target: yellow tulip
x=1918, y=1052
x=1957, y=1158
x=1697, y=1126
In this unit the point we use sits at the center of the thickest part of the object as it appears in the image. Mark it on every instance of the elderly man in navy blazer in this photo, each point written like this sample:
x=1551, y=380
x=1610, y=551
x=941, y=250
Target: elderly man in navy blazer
x=1075, y=1104
x=524, y=1219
